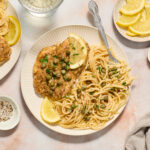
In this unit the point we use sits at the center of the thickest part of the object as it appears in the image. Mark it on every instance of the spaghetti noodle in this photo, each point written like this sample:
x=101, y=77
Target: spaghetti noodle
x=102, y=89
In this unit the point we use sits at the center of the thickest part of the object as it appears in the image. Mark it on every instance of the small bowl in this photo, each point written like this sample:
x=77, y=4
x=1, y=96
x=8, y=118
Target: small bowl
x=40, y=12
x=15, y=118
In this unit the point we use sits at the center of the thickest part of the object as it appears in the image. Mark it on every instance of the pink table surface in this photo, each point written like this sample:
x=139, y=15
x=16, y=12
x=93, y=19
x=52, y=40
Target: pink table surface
x=30, y=134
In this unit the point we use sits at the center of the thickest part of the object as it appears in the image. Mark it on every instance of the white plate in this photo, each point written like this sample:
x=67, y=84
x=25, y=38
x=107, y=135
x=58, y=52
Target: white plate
x=6, y=67
x=116, y=15
x=90, y=34
x=14, y=120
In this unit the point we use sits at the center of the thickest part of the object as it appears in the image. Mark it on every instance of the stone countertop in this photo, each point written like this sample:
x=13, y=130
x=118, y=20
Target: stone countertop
x=30, y=134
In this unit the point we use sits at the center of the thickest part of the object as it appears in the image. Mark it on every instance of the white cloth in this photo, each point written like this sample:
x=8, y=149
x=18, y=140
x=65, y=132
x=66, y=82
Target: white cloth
x=139, y=138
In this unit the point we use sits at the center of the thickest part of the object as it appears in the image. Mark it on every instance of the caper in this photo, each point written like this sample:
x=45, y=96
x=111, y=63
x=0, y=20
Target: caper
x=79, y=95
x=78, y=91
x=64, y=78
x=103, y=106
x=86, y=118
x=67, y=67
x=48, y=77
x=51, y=83
x=50, y=92
x=55, y=61
x=68, y=79
x=113, y=69
x=83, y=88
x=88, y=82
x=43, y=65
x=59, y=84
x=53, y=88
x=63, y=66
x=50, y=66
x=66, y=60
x=103, y=70
x=58, y=76
x=63, y=72
x=62, y=58
x=105, y=98
x=67, y=53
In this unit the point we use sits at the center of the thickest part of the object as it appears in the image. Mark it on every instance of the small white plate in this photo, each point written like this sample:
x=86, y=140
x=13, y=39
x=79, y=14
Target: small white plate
x=33, y=101
x=116, y=15
x=14, y=120
x=16, y=49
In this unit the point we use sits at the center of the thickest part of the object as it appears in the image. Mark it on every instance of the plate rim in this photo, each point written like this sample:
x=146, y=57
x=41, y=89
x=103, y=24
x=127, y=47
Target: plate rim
x=48, y=125
x=120, y=30
x=19, y=51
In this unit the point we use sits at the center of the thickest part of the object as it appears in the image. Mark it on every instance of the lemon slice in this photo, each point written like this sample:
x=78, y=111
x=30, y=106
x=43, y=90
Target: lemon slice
x=14, y=31
x=147, y=10
x=79, y=50
x=48, y=111
x=129, y=33
x=125, y=21
x=142, y=27
x=132, y=7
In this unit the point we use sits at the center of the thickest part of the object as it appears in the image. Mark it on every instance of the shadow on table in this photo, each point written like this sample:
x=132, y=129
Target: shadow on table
x=7, y=133
x=62, y=137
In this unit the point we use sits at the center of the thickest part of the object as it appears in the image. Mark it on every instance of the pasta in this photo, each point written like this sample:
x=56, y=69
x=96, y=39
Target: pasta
x=101, y=90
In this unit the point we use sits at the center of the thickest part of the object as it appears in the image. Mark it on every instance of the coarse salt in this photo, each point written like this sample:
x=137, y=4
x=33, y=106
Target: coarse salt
x=6, y=110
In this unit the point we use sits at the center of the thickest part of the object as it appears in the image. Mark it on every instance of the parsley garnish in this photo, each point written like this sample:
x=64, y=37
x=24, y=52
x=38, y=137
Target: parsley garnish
x=91, y=93
x=93, y=76
x=74, y=106
x=55, y=56
x=48, y=71
x=47, y=82
x=75, y=54
x=83, y=110
x=44, y=60
x=124, y=83
x=99, y=69
x=97, y=106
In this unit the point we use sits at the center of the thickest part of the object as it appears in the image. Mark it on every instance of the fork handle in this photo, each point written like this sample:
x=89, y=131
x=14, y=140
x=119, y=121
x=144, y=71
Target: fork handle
x=100, y=27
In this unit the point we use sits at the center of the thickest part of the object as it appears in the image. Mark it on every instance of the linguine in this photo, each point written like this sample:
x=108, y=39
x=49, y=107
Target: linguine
x=102, y=89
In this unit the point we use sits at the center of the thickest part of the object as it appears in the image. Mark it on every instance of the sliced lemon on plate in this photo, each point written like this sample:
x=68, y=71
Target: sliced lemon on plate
x=132, y=7
x=78, y=49
x=14, y=32
x=48, y=112
x=125, y=21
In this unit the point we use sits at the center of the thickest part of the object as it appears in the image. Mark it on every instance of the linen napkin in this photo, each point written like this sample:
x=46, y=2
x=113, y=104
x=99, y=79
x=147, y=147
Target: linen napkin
x=139, y=138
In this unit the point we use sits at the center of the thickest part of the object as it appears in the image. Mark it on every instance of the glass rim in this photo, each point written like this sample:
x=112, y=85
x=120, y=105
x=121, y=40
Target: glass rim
x=39, y=10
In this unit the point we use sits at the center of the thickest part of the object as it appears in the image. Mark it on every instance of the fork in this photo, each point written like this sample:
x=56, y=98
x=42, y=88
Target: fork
x=93, y=8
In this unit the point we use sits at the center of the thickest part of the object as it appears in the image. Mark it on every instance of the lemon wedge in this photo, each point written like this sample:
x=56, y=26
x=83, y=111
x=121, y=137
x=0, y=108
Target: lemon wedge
x=132, y=7
x=79, y=51
x=125, y=21
x=48, y=111
x=14, y=31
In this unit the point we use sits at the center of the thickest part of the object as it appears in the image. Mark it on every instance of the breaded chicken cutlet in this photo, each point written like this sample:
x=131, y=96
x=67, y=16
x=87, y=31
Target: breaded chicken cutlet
x=51, y=72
